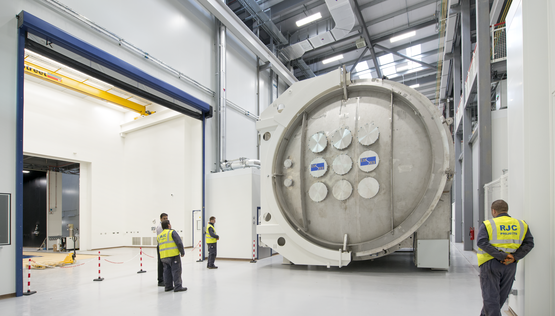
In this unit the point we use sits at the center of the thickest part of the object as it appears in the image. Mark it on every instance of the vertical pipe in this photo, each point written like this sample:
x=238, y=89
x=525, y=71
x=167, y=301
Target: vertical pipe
x=203, y=177
x=222, y=117
x=484, y=102
x=257, y=104
x=19, y=166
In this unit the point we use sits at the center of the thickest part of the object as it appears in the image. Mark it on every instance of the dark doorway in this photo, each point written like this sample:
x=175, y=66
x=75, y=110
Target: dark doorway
x=52, y=218
x=34, y=208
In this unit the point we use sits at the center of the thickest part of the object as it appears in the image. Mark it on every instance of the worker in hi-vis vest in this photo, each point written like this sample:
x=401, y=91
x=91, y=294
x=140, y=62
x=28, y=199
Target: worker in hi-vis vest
x=502, y=241
x=171, y=247
x=211, y=240
x=159, y=229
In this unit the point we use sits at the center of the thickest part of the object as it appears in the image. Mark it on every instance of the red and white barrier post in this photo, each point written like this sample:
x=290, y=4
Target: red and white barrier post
x=29, y=292
x=199, y=251
x=141, y=271
x=253, y=252
x=99, y=278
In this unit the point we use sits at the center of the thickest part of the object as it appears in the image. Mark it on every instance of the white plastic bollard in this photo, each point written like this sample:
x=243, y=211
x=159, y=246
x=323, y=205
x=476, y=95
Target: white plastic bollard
x=29, y=292
x=99, y=278
x=141, y=271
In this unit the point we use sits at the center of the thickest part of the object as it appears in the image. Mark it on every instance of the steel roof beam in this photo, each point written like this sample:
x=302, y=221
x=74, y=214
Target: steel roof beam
x=394, y=52
x=398, y=13
x=366, y=35
x=358, y=59
x=352, y=47
x=425, y=54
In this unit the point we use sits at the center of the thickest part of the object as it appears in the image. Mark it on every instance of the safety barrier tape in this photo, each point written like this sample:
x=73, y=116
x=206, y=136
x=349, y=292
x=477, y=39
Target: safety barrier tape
x=144, y=253
x=114, y=262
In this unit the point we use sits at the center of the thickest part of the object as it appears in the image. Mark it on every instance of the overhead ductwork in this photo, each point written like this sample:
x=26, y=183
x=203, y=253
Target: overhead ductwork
x=344, y=17
x=265, y=22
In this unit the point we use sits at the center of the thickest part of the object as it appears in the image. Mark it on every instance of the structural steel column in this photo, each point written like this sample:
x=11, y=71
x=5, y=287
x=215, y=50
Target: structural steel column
x=466, y=49
x=457, y=184
x=484, y=100
x=467, y=189
x=466, y=44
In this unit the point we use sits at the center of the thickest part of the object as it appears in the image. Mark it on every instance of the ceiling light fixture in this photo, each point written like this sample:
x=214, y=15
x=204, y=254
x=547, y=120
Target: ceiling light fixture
x=309, y=19
x=414, y=86
x=25, y=171
x=403, y=36
x=329, y=60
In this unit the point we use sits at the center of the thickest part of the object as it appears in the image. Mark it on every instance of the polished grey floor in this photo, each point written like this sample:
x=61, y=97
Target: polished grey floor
x=387, y=286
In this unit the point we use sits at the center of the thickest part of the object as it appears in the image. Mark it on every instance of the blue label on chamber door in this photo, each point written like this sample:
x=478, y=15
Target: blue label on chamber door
x=368, y=161
x=317, y=166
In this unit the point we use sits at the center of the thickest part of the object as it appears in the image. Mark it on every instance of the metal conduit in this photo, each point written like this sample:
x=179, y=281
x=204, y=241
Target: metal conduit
x=239, y=109
x=222, y=100
x=241, y=163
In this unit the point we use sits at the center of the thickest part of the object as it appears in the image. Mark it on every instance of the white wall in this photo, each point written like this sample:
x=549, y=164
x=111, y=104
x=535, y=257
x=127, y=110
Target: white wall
x=54, y=207
x=162, y=175
x=241, y=90
x=499, y=142
x=132, y=179
x=232, y=197
x=531, y=171
x=8, y=64
x=167, y=30
x=71, y=128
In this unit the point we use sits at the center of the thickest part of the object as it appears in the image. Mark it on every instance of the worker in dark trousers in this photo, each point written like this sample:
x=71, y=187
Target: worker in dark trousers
x=159, y=229
x=503, y=241
x=171, y=247
x=211, y=241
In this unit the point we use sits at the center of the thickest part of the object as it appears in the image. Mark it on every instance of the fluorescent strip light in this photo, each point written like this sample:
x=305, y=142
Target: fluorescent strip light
x=329, y=60
x=414, y=86
x=403, y=36
x=309, y=19
x=25, y=171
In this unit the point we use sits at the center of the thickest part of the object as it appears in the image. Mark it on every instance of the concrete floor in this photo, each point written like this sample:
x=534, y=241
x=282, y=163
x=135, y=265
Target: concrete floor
x=387, y=286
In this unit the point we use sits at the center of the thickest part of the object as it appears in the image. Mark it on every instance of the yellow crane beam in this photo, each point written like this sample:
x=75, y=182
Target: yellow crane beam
x=75, y=85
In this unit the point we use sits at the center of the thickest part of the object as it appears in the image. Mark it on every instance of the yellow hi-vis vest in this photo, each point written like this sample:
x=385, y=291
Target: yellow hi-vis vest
x=168, y=247
x=209, y=239
x=505, y=234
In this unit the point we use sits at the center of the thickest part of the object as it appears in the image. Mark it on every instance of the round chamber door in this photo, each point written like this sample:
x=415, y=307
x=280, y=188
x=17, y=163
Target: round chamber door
x=400, y=149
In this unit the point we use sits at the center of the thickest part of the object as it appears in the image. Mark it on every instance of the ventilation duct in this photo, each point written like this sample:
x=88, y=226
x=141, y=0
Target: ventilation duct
x=344, y=18
x=265, y=22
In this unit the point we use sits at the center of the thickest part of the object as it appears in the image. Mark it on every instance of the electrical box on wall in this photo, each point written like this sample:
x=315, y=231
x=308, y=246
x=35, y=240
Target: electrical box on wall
x=501, y=95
